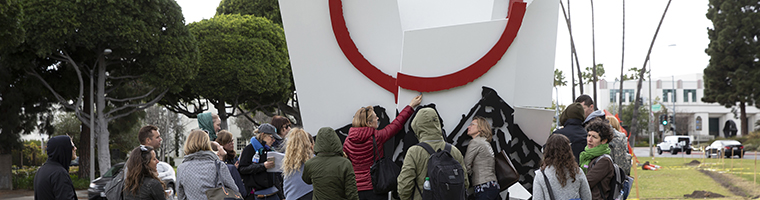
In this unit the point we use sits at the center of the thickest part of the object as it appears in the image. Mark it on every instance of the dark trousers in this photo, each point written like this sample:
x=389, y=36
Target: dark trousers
x=491, y=193
x=307, y=196
x=370, y=195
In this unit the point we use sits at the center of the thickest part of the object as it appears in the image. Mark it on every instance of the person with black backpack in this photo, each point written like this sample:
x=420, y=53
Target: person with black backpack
x=595, y=160
x=432, y=169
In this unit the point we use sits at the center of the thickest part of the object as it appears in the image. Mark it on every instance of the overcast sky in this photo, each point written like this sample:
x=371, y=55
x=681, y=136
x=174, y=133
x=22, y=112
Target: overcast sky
x=678, y=50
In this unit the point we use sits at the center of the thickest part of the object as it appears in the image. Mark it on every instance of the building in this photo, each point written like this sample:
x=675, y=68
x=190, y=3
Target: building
x=705, y=120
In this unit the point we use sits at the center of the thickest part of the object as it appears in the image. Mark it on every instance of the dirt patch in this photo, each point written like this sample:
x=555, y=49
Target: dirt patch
x=699, y=194
x=736, y=185
x=693, y=163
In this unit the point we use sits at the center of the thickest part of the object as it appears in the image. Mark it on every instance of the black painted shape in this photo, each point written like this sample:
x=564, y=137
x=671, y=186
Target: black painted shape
x=523, y=152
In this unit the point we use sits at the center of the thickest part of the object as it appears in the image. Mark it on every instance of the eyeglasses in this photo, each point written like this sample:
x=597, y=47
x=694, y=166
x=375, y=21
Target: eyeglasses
x=286, y=126
x=143, y=148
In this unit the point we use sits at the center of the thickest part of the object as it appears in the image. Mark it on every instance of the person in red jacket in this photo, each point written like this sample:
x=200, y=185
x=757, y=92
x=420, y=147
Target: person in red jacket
x=358, y=144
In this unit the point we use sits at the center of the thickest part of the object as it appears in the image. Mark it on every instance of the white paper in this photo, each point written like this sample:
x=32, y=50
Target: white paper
x=277, y=161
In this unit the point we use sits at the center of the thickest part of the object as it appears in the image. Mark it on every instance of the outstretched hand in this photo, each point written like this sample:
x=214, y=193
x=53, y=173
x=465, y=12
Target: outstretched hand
x=416, y=101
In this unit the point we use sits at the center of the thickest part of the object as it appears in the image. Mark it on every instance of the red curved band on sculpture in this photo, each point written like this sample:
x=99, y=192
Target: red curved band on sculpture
x=425, y=84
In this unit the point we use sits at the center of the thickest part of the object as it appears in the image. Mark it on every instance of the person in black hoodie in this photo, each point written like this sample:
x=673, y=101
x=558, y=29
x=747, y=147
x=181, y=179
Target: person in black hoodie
x=572, y=120
x=52, y=180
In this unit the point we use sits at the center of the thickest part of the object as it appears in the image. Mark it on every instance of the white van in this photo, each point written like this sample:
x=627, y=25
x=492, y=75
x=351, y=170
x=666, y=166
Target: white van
x=675, y=144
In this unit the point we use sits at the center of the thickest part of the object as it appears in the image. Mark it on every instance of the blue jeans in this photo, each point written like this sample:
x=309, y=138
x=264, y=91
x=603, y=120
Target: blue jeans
x=627, y=187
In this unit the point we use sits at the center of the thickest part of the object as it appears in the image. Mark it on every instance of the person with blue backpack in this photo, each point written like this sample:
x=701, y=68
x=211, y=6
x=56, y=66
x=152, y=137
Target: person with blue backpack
x=432, y=169
x=595, y=160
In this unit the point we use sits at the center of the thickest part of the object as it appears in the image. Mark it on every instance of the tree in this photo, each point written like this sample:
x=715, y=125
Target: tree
x=269, y=9
x=170, y=125
x=572, y=48
x=559, y=78
x=731, y=75
x=637, y=104
x=244, y=63
x=588, y=75
x=116, y=45
x=627, y=115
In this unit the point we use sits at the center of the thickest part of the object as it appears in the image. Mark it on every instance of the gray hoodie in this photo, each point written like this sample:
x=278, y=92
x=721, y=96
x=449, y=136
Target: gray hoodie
x=196, y=175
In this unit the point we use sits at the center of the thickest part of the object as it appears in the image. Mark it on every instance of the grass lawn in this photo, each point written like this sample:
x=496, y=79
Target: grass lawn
x=744, y=168
x=675, y=179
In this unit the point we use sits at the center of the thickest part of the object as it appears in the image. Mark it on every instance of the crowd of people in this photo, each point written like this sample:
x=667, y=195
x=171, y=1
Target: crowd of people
x=577, y=163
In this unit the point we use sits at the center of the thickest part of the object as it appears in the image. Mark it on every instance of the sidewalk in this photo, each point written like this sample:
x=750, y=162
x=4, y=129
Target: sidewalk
x=29, y=194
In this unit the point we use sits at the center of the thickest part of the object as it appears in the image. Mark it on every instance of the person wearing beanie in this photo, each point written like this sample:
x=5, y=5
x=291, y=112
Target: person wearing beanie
x=210, y=123
x=52, y=180
x=572, y=120
x=330, y=174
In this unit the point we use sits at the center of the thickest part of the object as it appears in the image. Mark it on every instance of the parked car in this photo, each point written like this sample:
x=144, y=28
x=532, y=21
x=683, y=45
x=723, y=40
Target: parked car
x=675, y=144
x=96, y=191
x=727, y=148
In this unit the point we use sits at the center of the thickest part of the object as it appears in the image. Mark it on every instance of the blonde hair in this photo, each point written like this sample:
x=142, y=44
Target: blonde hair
x=362, y=116
x=299, y=150
x=484, y=128
x=614, y=122
x=197, y=141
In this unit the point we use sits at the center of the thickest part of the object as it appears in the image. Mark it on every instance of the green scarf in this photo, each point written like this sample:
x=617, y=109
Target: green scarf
x=589, y=154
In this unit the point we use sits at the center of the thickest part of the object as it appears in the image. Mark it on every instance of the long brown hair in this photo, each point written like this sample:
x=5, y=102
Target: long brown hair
x=224, y=137
x=298, y=152
x=559, y=154
x=137, y=169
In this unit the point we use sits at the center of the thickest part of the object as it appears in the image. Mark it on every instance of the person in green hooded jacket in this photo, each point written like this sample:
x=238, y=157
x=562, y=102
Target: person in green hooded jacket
x=427, y=128
x=330, y=172
x=210, y=123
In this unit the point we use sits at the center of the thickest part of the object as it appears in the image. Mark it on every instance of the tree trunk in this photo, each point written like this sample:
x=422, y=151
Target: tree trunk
x=84, y=144
x=745, y=124
x=101, y=124
x=634, y=118
x=622, y=62
x=593, y=53
x=221, y=110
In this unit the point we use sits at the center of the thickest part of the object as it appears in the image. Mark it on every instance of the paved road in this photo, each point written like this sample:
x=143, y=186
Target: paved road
x=644, y=152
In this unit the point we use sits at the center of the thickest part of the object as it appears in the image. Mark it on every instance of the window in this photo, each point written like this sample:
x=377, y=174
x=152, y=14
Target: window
x=698, y=123
x=626, y=92
x=666, y=95
x=687, y=93
x=613, y=95
x=240, y=143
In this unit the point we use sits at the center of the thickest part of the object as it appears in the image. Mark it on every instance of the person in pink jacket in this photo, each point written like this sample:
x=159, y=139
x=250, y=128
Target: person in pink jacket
x=358, y=144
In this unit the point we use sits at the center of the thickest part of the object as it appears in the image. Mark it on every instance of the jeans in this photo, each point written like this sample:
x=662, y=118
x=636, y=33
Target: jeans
x=491, y=193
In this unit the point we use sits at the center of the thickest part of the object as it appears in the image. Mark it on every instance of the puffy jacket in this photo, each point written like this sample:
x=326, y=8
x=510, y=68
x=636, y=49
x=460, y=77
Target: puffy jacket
x=358, y=146
x=427, y=128
x=330, y=173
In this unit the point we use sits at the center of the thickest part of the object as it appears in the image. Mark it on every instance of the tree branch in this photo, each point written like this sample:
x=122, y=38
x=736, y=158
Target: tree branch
x=131, y=98
x=136, y=106
x=122, y=77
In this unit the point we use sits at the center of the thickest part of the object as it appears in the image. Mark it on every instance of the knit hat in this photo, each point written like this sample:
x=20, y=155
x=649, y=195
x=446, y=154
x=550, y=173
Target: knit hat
x=573, y=111
x=267, y=128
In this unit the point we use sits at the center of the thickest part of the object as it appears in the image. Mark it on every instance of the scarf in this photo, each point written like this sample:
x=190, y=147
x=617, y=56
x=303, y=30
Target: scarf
x=589, y=154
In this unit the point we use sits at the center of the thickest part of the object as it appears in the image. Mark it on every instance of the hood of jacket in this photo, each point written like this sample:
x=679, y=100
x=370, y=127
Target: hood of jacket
x=573, y=111
x=426, y=125
x=595, y=114
x=201, y=155
x=206, y=122
x=59, y=150
x=327, y=142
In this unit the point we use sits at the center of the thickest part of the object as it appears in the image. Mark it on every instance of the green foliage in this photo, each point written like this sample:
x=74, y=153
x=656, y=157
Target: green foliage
x=634, y=74
x=588, y=74
x=269, y=9
x=627, y=115
x=24, y=179
x=11, y=14
x=559, y=78
x=243, y=60
x=731, y=75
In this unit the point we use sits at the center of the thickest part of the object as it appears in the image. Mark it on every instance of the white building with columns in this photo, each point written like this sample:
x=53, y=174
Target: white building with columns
x=706, y=120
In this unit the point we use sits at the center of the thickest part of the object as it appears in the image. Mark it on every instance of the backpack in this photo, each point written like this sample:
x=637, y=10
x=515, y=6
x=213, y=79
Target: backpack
x=446, y=175
x=617, y=184
x=114, y=188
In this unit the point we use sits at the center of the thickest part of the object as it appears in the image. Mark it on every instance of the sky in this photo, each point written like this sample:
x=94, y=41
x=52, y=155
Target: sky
x=678, y=49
